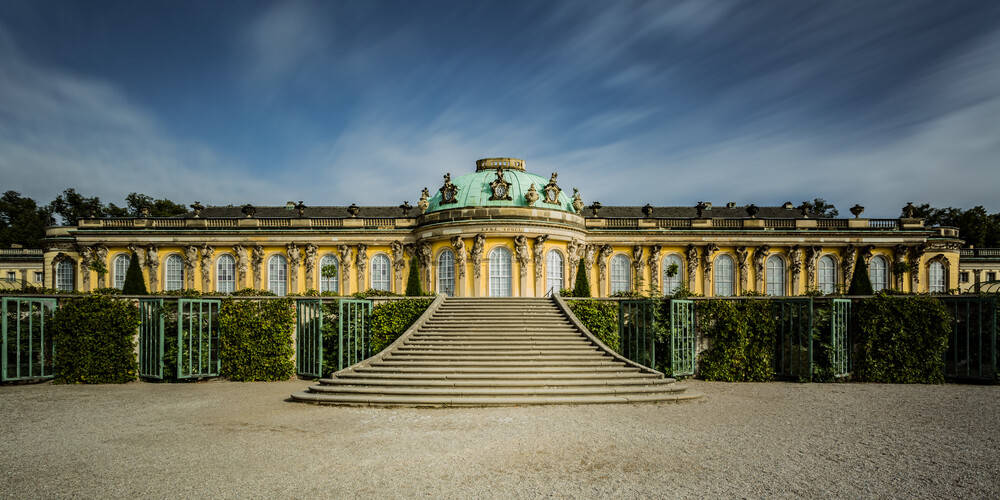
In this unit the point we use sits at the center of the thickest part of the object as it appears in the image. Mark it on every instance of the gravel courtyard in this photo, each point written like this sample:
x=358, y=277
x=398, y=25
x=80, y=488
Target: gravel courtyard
x=224, y=439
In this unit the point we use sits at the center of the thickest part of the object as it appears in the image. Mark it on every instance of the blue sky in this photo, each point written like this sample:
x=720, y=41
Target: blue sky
x=868, y=102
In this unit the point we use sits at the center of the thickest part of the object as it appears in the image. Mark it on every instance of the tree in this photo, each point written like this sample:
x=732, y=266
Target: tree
x=157, y=208
x=582, y=286
x=22, y=220
x=134, y=284
x=820, y=208
x=72, y=206
x=976, y=226
x=861, y=284
x=413, y=280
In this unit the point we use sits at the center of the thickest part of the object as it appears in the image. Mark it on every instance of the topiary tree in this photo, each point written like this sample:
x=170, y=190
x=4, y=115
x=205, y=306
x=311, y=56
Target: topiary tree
x=861, y=284
x=135, y=284
x=413, y=280
x=582, y=288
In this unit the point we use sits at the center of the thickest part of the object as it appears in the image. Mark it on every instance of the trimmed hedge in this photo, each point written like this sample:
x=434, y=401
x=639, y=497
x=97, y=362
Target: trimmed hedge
x=600, y=317
x=903, y=340
x=389, y=320
x=741, y=337
x=256, y=339
x=95, y=341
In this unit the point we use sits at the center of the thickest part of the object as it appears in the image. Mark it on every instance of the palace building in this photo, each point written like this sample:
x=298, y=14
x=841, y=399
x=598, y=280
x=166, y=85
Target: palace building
x=503, y=231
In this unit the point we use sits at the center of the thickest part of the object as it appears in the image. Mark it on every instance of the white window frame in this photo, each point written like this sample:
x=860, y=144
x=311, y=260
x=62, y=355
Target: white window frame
x=277, y=275
x=65, y=276
x=621, y=274
x=39, y=276
x=774, y=276
x=936, y=277
x=173, y=273
x=722, y=282
x=500, y=281
x=672, y=284
x=329, y=284
x=446, y=272
x=827, y=275
x=225, y=274
x=120, y=268
x=381, y=273
x=555, y=271
x=878, y=273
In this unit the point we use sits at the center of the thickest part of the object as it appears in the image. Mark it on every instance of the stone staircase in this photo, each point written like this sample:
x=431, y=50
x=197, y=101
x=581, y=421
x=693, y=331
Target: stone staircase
x=495, y=352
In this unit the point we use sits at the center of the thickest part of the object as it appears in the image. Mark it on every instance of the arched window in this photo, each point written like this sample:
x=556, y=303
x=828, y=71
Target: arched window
x=381, y=273
x=775, y=276
x=827, y=275
x=673, y=269
x=332, y=283
x=225, y=274
x=64, y=276
x=935, y=275
x=554, y=272
x=277, y=275
x=121, y=269
x=500, y=285
x=173, y=273
x=621, y=274
x=878, y=273
x=446, y=273
x=723, y=276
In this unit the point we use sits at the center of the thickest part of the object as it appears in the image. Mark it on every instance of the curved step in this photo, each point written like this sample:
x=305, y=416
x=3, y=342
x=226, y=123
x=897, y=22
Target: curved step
x=445, y=401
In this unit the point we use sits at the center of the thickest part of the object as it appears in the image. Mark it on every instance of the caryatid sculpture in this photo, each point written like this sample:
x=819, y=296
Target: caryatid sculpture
x=257, y=260
x=743, y=267
x=654, y=266
x=190, y=260
x=345, y=252
x=398, y=261
x=361, y=260
x=692, y=265
x=460, y=256
x=602, y=264
x=538, y=250
x=153, y=264
x=294, y=258
x=638, y=266
x=522, y=254
x=478, y=247
x=795, y=262
x=86, y=256
x=206, y=267
x=242, y=264
x=759, y=257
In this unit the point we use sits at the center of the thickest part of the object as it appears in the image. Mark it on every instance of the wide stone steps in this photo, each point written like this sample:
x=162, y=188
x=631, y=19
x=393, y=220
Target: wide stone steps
x=494, y=352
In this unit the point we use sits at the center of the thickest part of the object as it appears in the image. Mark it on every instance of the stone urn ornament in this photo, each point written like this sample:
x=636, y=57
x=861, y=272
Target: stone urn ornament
x=354, y=209
x=406, y=207
x=595, y=207
x=752, y=211
x=804, y=210
x=647, y=210
x=248, y=210
x=700, y=208
x=196, y=207
x=300, y=208
x=857, y=210
x=909, y=211
x=531, y=196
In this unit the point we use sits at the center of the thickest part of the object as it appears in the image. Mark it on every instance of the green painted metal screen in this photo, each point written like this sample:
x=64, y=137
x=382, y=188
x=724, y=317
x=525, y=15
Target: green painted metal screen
x=683, y=338
x=636, y=331
x=352, y=331
x=198, y=338
x=28, y=350
x=309, y=338
x=972, y=345
x=840, y=339
x=151, y=338
x=793, y=357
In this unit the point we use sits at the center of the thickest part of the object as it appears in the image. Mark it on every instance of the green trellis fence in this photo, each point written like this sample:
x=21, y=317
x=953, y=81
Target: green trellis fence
x=28, y=350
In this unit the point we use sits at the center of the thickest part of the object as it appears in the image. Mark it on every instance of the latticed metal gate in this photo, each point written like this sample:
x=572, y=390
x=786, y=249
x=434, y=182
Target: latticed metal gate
x=793, y=356
x=352, y=331
x=840, y=340
x=28, y=350
x=198, y=338
x=636, y=331
x=151, y=341
x=309, y=337
x=683, y=340
x=972, y=345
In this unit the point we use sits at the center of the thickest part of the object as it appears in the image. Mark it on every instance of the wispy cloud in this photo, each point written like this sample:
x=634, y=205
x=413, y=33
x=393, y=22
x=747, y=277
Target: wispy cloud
x=284, y=38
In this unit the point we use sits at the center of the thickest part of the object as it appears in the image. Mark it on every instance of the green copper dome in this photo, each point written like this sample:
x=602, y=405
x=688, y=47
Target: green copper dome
x=476, y=189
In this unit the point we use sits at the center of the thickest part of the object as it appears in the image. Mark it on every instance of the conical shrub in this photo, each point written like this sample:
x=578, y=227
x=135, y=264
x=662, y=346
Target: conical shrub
x=134, y=284
x=861, y=284
x=582, y=287
x=413, y=280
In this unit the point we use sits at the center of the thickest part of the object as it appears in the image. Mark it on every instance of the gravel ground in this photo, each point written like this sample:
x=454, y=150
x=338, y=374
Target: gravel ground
x=224, y=439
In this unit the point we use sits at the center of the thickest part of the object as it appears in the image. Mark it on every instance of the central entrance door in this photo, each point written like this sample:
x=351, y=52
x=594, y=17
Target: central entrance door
x=500, y=272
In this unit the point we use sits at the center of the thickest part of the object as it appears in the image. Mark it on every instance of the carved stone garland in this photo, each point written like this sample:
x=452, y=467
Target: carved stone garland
x=398, y=263
x=573, y=255
x=522, y=255
x=425, y=256
x=795, y=262
x=86, y=255
x=294, y=258
x=812, y=258
x=478, y=247
x=458, y=243
x=538, y=251
x=847, y=262
x=153, y=264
